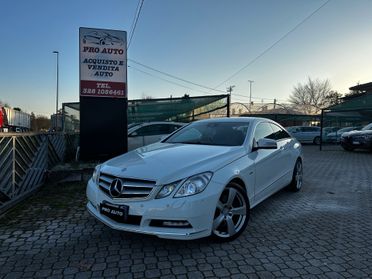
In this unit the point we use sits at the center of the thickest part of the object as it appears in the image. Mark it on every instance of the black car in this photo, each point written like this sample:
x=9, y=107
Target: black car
x=357, y=139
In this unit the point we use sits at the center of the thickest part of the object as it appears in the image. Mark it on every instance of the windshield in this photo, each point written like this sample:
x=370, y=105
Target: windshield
x=368, y=127
x=212, y=133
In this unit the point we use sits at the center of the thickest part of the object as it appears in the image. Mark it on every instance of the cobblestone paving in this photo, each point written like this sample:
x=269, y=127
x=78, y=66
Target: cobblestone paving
x=324, y=231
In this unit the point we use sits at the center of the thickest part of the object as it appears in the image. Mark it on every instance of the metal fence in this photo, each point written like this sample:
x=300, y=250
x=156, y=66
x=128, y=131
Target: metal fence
x=23, y=161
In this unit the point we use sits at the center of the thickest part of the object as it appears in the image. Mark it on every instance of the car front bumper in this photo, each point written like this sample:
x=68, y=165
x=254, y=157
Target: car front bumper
x=197, y=210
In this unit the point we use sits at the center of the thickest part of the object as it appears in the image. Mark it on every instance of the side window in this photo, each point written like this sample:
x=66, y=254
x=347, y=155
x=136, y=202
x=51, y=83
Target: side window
x=263, y=130
x=310, y=129
x=152, y=130
x=172, y=128
x=279, y=133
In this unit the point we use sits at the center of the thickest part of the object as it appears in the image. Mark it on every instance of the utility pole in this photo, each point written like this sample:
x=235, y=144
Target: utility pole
x=57, y=74
x=229, y=90
x=250, y=94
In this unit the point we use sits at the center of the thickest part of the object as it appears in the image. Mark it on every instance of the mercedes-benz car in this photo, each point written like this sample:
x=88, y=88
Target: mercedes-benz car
x=201, y=180
x=357, y=139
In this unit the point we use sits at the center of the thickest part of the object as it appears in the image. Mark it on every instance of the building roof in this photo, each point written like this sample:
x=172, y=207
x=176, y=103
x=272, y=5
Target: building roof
x=367, y=87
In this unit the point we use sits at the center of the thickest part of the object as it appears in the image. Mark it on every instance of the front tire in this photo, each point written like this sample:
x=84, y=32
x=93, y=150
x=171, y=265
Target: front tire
x=297, y=177
x=232, y=213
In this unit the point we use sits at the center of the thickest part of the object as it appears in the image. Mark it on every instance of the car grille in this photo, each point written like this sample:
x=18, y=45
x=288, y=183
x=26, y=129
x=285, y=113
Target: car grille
x=132, y=188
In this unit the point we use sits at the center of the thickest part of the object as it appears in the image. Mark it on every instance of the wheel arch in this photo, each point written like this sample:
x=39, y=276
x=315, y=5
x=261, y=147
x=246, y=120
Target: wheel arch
x=243, y=186
x=240, y=182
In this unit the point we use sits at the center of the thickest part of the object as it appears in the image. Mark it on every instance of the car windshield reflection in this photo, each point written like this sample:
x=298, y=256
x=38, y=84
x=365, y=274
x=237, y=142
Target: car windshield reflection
x=216, y=133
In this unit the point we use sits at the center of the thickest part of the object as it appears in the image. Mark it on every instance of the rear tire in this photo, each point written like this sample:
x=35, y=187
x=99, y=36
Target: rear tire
x=232, y=213
x=347, y=148
x=297, y=177
x=316, y=140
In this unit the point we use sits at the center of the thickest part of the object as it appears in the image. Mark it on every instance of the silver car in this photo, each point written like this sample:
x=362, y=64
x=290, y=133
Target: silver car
x=151, y=132
x=202, y=180
x=305, y=134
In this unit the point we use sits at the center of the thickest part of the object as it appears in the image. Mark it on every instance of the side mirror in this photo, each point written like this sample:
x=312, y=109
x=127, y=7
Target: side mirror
x=265, y=144
x=134, y=134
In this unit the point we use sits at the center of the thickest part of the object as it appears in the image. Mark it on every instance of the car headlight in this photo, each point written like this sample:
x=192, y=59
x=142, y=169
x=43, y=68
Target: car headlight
x=95, y=176
x=194, y=185
x=166, y=190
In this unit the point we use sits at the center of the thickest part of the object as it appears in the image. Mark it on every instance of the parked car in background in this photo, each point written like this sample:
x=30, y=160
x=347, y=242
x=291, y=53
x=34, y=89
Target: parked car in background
x=202, y=180
x=147, y=133
x=358, y=139
x=327, y=130
x=131, y=125
x=305, y=134
x=335, y=137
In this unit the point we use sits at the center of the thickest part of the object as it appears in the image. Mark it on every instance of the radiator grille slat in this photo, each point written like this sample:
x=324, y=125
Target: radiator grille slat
x=132, y=188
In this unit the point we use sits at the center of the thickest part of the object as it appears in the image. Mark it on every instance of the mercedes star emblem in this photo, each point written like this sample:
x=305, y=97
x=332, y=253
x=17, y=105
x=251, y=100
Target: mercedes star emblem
x=116, y=188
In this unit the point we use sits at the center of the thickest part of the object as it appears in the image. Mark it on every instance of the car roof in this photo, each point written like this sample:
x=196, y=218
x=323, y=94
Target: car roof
x=235, y=119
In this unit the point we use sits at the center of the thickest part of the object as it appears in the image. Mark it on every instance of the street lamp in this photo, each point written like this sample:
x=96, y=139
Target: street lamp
x=56, y=52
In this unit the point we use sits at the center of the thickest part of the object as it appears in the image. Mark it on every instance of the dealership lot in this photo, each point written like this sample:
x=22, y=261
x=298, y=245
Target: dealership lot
x=324, y=231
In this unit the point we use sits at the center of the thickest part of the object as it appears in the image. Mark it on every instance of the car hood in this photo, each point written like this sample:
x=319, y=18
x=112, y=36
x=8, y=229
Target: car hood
x=166, y=163
x=332, y=134
x=357, y=133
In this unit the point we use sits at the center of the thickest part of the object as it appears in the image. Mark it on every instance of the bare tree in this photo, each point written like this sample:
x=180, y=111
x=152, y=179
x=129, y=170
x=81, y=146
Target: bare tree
x=3, y=104
x=313, y=96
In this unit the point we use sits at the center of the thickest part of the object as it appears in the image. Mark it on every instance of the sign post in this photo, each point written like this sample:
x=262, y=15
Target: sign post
x=103, y=93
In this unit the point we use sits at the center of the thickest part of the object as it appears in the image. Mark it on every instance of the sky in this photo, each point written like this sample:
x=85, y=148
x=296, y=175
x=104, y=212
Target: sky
x=202, y=41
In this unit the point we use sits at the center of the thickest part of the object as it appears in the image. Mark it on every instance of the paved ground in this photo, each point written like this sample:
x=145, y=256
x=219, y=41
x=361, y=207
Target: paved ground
x=324, y=231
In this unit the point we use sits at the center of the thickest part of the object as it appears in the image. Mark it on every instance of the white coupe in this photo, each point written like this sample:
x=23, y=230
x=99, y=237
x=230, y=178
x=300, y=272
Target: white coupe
x=201, y=180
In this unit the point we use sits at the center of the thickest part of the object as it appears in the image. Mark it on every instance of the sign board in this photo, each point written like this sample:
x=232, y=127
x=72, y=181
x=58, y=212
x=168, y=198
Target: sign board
x=103, y=64
x=103, y=93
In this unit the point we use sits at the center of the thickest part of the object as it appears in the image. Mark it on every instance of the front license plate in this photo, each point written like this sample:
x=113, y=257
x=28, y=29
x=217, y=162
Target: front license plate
x=356, y=142
x=118, y=213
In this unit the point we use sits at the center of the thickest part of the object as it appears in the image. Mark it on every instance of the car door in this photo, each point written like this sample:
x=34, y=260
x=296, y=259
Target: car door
x=297, y=133
x=310, y=133
x=267, y=163
x=285, y=144
x=136, y=138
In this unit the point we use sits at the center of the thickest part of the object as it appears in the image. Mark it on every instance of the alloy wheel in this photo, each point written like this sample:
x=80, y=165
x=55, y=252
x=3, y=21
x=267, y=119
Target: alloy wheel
x=231, y=215
x=298, y=175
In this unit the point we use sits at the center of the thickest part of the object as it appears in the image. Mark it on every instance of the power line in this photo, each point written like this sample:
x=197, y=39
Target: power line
x=166, y=80
x=134, y=24
x=273, y=45
x=193, y=89
x=175, y=77
x=257, y=98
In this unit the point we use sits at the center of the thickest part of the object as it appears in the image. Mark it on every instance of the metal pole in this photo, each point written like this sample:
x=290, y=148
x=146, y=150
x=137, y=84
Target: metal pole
x=228, y=105
x=229, y=90
x=250, y=94
x=13, y=167
x=56, y=120
x=321, y=130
